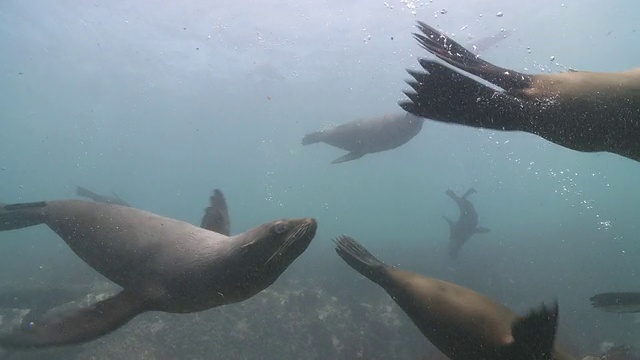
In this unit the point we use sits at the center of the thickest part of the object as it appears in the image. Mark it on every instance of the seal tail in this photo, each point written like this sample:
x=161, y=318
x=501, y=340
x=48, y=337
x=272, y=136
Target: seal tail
x=360, y=259
x=617, y=302
x=534, y=334
x=454, y=54
x=312, y=138
x=18, y=216
x=447, y=96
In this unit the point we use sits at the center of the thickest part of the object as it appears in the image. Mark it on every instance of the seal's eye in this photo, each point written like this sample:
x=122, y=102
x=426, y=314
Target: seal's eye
x=280, y=228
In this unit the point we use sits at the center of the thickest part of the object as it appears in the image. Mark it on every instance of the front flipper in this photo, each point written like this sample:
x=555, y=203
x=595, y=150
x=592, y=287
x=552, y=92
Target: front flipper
x=80, y=326
x=348, y=157
x=451, y=223
x=481, y=230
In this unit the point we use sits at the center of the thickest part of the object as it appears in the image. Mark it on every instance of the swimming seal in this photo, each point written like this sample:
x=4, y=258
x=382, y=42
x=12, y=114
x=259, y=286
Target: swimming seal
x=460, y=322
x=367, y=136
x=580, y=110
x=467, y=224
x=162, y=264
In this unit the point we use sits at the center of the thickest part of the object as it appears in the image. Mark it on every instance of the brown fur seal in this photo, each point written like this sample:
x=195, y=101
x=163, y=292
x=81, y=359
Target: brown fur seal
x=367, y=136
x=583, y=111
x=162, y=264
x=216, y=216
x=106, y=199
x=467, y=224
x=460, y=322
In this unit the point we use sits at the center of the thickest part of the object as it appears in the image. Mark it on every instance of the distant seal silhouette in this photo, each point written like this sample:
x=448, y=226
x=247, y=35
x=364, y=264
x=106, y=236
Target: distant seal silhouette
x=467, y=224
x=460, y=322
x=617, y=302
x=162, y=264
x=367, y=136
x=216, y=216
x=583, y=111
x=106, y=199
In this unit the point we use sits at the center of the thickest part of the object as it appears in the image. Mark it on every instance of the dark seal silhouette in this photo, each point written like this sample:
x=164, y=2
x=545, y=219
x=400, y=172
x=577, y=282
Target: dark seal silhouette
x=466, y=225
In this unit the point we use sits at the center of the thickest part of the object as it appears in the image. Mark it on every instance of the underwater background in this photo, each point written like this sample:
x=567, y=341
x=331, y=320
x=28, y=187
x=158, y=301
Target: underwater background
x=161, y=102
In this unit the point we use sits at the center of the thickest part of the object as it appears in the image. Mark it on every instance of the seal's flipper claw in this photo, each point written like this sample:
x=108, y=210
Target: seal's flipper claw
x=79, y=326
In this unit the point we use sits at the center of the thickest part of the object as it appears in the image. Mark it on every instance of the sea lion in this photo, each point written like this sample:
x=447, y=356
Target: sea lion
x=216, y=216
x=467, y=224
x=583, y=111
x=617, y=302
x=106, y=199
x=460, y=322
x=367, y=136
x=162, y=264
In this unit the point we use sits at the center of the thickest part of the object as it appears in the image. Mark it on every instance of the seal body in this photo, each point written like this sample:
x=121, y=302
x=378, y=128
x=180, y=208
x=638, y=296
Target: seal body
x=162, y=264
x=466, y=225
x=460, y=322
x=366, y=136
x=580, y=110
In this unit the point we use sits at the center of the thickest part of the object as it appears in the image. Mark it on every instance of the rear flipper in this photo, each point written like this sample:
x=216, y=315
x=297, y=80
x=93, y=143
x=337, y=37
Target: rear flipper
x=18, y=216
x=534, y=334
x=360, y=259
x=456, y=55
x=81, y=326
x=445, y=95
x=216, y=216
x=348, y=157
x=617, y=302
x=481, y=230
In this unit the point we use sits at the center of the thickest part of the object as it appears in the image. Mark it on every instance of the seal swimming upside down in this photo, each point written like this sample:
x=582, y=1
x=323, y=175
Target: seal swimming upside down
x=162, y=264
x=461, y=323
x=467, y=224
x=580, y=110
x=367, y=136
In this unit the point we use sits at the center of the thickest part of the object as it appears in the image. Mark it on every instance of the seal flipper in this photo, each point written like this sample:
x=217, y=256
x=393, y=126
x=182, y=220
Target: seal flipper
x=348, y=157
x=445, y=95
x=451, y=222
x=534, y=334
x=216, y=216
x=481, y=230
x=617, y=302
x=451, y=52
x=360, y=259
x=18, y=216
x=80, y=326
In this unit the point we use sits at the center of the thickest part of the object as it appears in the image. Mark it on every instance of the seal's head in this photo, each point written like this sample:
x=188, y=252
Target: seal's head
x=270, y=248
